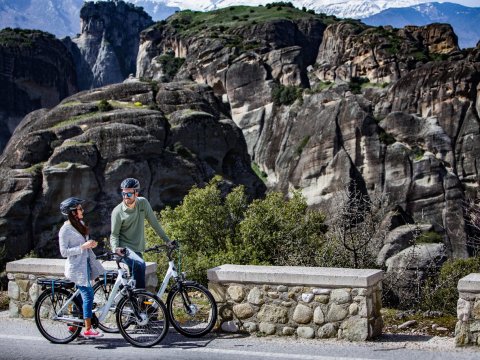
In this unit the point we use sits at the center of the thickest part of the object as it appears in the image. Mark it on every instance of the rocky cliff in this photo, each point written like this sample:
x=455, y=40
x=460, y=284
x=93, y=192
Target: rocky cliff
x=84, y=147
x=317, y=103
x=395, y=110
x=35, y=71
x=105, y=52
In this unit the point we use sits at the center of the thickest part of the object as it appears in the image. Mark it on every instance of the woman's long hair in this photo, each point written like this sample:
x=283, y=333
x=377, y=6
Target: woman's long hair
x=80, y=226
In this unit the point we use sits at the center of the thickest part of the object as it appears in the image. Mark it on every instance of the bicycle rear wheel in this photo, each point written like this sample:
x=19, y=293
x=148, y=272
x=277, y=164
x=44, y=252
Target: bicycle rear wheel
x=192, y=310
x=101, y=291
x=48, y=306
x=153, y=326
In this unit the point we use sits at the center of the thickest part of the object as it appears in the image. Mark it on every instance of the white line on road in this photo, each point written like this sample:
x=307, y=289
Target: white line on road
x=271, y=354
x=219, y=351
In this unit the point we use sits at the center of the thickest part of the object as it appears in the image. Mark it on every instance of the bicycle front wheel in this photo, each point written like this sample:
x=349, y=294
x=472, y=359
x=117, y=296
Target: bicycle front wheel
x=153, y=325
x=192, y=310
x=101, y=291
x=57, y=327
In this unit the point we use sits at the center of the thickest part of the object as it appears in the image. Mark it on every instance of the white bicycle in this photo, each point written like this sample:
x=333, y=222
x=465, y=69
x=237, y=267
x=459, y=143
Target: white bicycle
x=140, y=315
x=191, y=307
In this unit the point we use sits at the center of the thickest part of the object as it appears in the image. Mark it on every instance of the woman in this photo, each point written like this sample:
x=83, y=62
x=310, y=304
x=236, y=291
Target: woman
x=81, y=266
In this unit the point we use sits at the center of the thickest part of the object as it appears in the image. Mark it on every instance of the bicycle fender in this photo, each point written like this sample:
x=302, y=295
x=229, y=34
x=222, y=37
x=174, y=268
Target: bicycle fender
x=177, y=287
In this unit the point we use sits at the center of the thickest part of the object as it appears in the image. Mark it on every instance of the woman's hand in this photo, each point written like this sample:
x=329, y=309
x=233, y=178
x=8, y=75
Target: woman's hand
x=90, y=244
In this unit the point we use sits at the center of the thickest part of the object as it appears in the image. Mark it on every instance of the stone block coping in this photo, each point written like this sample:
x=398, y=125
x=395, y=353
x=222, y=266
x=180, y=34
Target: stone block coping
x=56, y=267
x=469, y=283
x=295, y=275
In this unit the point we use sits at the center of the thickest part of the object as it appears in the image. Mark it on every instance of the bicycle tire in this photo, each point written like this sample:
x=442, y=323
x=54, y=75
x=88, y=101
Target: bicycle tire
x=101, y=292
x=201, y=315
x=56, y=331
x=155, y=322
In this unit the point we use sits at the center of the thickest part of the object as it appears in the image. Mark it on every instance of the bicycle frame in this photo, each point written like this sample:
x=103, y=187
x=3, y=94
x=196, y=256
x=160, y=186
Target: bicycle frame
x=171, y=272
x=102, y=312
x=121, y=280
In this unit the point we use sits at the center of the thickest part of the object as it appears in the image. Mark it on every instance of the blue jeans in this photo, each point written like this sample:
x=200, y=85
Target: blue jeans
x=136, y=266
x=87, y=297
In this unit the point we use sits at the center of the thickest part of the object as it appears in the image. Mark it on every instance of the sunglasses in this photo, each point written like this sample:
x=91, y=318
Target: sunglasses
x=128, y=194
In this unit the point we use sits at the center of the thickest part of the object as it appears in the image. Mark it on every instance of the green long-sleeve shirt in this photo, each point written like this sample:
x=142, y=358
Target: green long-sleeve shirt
x=128, y=225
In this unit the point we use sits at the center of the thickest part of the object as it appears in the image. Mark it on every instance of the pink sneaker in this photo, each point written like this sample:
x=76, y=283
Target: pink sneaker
x=72, y=329
x=92, y=333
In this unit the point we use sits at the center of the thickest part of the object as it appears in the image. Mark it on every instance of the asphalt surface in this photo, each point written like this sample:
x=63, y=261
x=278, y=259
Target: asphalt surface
x=20, y=339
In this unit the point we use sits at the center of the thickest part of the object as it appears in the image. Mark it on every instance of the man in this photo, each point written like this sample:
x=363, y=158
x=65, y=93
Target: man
x=128, y=228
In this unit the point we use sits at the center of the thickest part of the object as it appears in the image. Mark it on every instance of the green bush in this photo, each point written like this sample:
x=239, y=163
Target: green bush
x=429, y=237
x=214, y=229
x=286, y=95
x=356, y=84
x=170, y=66
x=440, y=293
x=104, y=105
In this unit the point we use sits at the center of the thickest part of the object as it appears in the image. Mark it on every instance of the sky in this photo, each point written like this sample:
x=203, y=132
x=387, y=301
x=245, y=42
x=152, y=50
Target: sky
x=472, y=3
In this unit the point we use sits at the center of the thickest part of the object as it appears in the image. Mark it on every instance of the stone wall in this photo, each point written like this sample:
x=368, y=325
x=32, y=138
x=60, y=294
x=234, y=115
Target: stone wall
x=22, y=275
x=306, y=302
x=467, y=330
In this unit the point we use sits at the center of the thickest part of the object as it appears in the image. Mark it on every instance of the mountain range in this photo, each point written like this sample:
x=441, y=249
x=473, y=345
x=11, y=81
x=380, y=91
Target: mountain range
x=61, y=17
x=464, y=20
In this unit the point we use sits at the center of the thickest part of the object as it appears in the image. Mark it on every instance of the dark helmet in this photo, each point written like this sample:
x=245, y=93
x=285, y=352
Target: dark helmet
x=70, y=204
x=130, y=183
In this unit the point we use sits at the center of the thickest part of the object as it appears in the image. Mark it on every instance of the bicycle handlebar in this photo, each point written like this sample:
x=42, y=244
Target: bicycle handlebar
x=173, y=245
x=110, y=255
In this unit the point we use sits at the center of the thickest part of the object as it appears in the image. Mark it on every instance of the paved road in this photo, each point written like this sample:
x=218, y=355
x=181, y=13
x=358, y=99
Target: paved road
x=20, y=339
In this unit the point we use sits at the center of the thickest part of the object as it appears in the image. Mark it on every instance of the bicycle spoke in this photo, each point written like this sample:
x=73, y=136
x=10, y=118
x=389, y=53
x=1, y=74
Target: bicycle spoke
x=193, y=310
x=47, y=314
x=152, y=325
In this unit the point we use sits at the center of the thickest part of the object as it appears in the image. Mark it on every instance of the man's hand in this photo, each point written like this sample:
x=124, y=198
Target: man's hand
x=172, y=244
x=120, y=251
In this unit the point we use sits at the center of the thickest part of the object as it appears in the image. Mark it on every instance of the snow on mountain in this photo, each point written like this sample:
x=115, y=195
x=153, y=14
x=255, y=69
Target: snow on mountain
x=340, y=8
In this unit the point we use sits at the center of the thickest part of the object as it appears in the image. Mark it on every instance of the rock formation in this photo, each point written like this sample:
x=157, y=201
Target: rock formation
x=35, y=72
x=394, y=110
x=105, y=52
x=317, y=103
x=81, y=148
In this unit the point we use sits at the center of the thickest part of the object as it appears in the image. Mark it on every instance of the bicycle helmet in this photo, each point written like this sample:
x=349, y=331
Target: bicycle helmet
x=70, y=204
x=130, y=183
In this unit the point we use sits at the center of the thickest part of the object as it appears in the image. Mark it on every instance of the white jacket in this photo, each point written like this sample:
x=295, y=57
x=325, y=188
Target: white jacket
x=76, y=267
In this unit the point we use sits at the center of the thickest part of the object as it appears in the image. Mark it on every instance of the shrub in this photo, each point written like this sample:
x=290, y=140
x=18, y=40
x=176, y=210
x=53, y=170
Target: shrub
x=286, y=95
x=214, y=229
x=104, y=105
x=356, y=84
x=440, y=292
x=170, y=66
x=385, y=138
x=429, y=237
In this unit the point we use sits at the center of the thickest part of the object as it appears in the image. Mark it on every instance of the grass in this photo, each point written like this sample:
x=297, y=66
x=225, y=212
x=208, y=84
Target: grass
x=21, y=37
x=75, y=119
x=322, y=85
x=224, y=20
x=392, y=319
x=261, y=174
x=70, y=103
x=127, y=105
x=34, y=169
x=302, y=145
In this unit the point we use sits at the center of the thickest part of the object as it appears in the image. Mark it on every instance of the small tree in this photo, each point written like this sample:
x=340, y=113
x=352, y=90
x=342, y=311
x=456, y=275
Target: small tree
x=355, y=236
x=472, y=215
x=283, y=232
